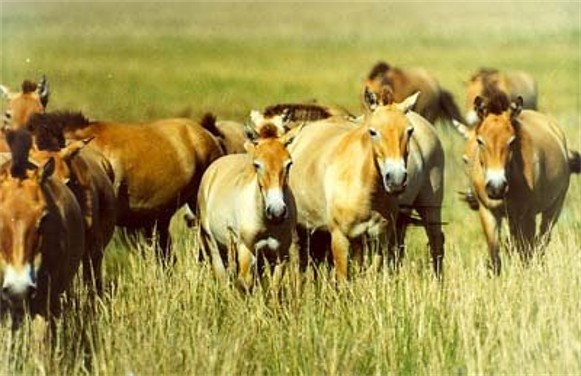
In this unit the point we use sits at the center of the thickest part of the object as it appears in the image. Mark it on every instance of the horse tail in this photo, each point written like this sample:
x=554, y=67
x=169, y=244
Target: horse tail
x=208, y=122
x=448, y=108
x=574, y=162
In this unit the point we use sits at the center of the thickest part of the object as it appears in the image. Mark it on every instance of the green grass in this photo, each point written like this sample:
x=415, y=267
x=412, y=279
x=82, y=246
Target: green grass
x=142, y=61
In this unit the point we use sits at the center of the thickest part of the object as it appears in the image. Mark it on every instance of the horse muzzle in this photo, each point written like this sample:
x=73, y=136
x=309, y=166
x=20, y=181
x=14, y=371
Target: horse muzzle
x=496, y=190
x=395, y=183
x=277, y=213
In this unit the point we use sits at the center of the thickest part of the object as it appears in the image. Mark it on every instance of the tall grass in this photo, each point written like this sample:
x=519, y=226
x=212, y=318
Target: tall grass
x=140, y=61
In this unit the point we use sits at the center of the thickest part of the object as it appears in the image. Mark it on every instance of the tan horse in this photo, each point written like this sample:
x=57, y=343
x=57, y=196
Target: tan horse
x=32, y=99
x=435, y=103
x=42, y=233
x=347, y=177
x=424, y=192
x=88, y=175
x=485, y=81
x=244, y=199
x=157, y=167
x=519, y=166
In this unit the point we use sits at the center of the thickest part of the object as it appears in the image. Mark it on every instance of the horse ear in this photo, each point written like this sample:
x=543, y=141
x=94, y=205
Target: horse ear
x=43, y=91
x=47, y=170
x=461, y=128
x=250, y=134
x=516, y=107
x=409, y=102
x=290, y=136
x=72, y=150
x=370, y=99
x=5, y=92
x=256, y=117
x=480, y=107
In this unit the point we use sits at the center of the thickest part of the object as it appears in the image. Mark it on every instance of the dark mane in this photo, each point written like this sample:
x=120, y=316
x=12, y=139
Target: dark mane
x=378, y=69
x=298, y=112
x=20, y=142
x=61, y=121
x=268, y=130
x=497, y=101
x=208, y=122
x=28, y=86
x=47, y=131
x=483, y=72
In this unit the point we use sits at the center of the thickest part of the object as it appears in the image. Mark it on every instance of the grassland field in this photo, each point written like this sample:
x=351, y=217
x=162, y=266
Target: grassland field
x=136, y=61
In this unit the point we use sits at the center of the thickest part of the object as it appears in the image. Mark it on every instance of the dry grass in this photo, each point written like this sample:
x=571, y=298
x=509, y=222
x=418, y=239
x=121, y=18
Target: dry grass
x=139, y=61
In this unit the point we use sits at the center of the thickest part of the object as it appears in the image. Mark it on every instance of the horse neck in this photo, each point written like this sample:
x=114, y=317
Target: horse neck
x=358, y=151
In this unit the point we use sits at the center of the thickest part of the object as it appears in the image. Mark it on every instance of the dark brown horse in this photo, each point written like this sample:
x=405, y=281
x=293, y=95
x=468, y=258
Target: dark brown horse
x=434, y=102
x=156, y=167
x=87, y=173
x=42, y=231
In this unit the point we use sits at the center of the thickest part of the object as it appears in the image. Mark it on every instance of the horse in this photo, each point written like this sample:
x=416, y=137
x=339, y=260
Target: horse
x=511, y=83
x=88, y=174
x=424, y=191
x=32, y=99
x=156, y=167
x=519, y=166
x=435, y=103
x=42, y=233
x=230, y=134
x=245, y=199
x=347, y=176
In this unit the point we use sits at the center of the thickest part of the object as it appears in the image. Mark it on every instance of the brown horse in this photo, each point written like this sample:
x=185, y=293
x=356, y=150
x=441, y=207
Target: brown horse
x=485, y=81
x=245, y=199
x=32, y=99
x=42, y=233
x=519, y=166
x=347, y=177
x=424, y=191
x=157, y=167
x=435, y=103
x=87, y=174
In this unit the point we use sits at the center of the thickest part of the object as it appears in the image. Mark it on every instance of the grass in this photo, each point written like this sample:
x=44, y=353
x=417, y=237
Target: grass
x=140, y=61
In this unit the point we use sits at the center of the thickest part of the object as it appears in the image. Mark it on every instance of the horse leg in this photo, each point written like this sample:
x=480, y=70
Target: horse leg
x=548, y=219
x=246, y=261
x=209, y=246
x=396, y=244
x=340, y=248
x=163, y=242
x=491, y=225
x=522, y=232
x=432, y=218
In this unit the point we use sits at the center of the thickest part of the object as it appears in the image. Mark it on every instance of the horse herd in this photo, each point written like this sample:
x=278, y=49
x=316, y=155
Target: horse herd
x=304, y=174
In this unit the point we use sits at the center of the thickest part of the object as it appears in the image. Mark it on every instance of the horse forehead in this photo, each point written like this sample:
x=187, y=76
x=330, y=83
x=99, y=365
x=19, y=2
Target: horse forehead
x=389, y=118
x=496, y=126
x=271, y=151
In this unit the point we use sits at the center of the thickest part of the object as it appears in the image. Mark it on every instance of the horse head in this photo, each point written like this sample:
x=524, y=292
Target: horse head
x=390, y=132
x=271, y=161
x=23, y=213
x=32, y=99
x=495, y=136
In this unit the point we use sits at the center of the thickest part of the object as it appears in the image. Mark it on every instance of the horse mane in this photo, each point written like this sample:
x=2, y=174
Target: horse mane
x=208, y=122
x=28, y=86
x=63, y=120
x=484, y=72
x=378, y=70
x=20, y=142
x=498, y=101
x=298, y=112
x=268, y=130
x=47, y=130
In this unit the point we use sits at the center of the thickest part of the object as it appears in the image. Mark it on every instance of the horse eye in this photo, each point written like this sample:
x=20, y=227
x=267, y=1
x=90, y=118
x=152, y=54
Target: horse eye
x=480, y=141
x=8, y=115
x=373, y=132
x=256, y=165
x=410, y=131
